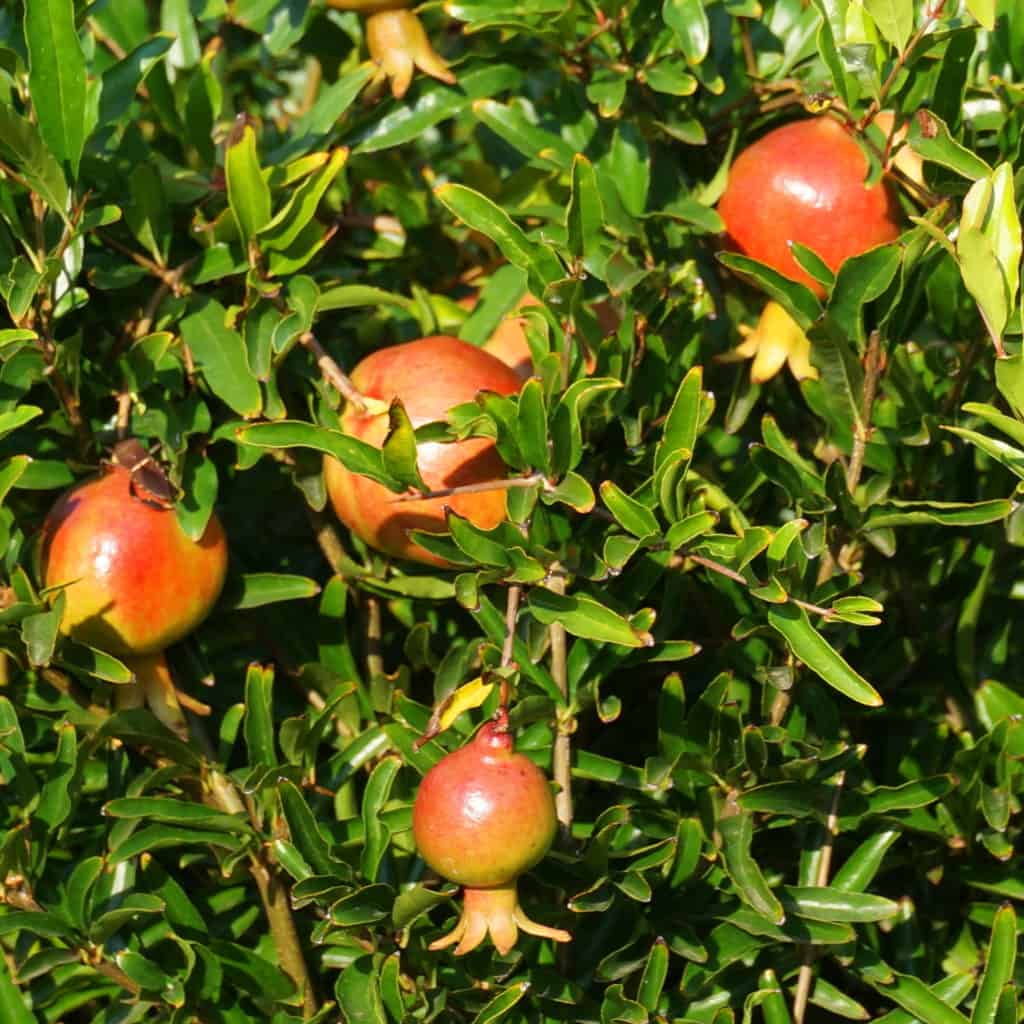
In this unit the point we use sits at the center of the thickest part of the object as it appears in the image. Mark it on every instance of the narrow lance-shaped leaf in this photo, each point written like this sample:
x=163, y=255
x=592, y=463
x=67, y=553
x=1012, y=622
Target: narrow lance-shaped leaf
x=57, y=78
x=248, y=192
x=584, y=219
x=819, y=656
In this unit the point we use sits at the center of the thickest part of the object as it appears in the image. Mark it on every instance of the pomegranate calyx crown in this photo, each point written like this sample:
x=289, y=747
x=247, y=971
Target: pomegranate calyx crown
x=494, y=735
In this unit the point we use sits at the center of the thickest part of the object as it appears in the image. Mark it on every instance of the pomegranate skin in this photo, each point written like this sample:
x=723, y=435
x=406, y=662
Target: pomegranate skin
x=430, y=376
x=484, y=814
x=136, y=582
x=804, y=182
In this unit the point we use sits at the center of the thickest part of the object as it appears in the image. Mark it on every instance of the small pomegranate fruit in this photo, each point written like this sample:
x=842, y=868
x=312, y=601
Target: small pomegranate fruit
x=484, y=815
x=430, y=376
x=134, y=581
x=509, y=344
x=804, y=182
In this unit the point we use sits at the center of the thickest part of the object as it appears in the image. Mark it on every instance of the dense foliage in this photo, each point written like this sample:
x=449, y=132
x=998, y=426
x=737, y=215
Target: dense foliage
x=763, y=635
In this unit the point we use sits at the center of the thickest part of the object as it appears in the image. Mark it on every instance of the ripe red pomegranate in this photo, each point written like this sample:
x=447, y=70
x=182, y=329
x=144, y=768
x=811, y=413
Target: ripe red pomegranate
x=484, y=815
x=804, y=182
x=430, y=376
x=135, y=582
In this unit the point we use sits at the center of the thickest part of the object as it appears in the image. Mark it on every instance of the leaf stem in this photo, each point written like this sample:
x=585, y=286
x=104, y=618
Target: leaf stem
x=511, y=614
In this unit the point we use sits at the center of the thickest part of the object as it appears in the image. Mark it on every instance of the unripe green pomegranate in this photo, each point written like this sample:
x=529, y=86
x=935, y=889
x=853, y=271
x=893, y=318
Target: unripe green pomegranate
x=484, y=815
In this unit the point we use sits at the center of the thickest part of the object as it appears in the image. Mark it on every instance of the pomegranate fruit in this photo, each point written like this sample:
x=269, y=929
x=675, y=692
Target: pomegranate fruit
x=134, y=582
x=484, y=815
x=805, y=182
x=430, y=376
x=509, y=344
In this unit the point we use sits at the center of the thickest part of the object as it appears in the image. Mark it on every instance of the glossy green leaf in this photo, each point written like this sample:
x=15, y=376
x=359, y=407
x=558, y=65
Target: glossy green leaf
x=819, y=656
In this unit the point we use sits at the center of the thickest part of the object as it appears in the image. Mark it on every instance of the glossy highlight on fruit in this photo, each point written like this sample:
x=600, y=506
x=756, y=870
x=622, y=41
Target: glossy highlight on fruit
x=483, y=815
x=430, y=376
x=135, y=582
x=805, y=182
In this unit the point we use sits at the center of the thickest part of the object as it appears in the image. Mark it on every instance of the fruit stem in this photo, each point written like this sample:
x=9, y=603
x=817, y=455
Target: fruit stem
x=153, y=680
x=562, y=752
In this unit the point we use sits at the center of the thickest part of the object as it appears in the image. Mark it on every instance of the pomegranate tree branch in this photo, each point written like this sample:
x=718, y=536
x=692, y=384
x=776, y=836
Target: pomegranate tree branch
x=873, y=364
x=562, y=752
x=932, y=14
x=806, y=975
x=332, y=372
x=479, y=488
x=221, y=793
x=511, y=614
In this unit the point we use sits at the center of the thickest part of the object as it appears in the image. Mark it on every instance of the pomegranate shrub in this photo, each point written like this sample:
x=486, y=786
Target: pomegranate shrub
x=510, y=511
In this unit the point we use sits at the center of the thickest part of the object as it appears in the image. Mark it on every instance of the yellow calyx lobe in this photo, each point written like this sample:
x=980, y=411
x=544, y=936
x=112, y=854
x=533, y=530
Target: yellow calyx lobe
x=399, y=44
x=777, y=339
x=494, y=912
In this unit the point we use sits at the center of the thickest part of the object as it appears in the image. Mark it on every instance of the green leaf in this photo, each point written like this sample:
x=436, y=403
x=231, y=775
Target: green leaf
x=510, y=123
x=256, y=589
x=584, y=217
x=797, y=299
x=22, y=145
x=689, y=21
x=1000, y=962
x=500, y=1006
x=630, y=166
x=358, y=993
x=937, y=513
x=917, y=999
x=304, y=830
x=894, y=18
x=584, y=617
x=984, y=11
x=284, y=228
x=13, y=1007
x=399, y=449
x=532, y=426
x=736, y=829
x=219, y=353
x=248, y=193
x=57, y=78
x=819, y=656
x=353, y=454
x=259, y=716
x=989, y=247
x=633, y=516
x=929, y=136
x=842, y=376
x=376, y=834
x=476, y=211
x=821, y=903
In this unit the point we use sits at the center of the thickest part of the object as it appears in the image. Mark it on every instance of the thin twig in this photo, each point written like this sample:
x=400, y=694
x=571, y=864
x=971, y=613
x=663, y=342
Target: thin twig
x=221, y=793
x=806, y=976
x=374, y=631
x=873, y=364
x=561, y=755
x=333, y=373
x=511, y=615
x=932, y=15
x=477, y=488
x=328, y=539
